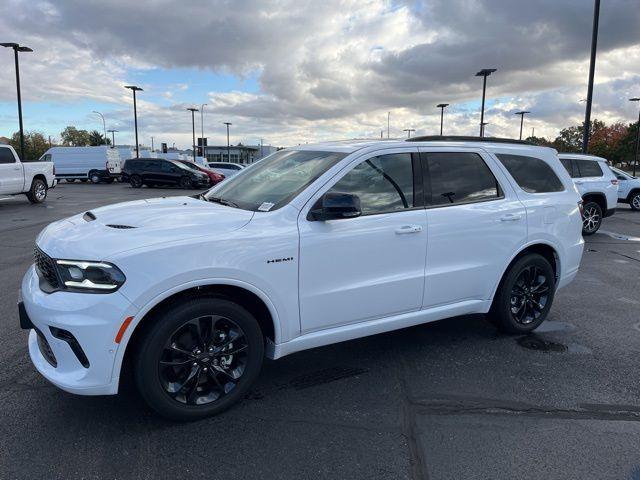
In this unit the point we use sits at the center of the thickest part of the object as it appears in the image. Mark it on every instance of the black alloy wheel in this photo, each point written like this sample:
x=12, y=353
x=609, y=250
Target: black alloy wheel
x=185, y=182
x=135, y=181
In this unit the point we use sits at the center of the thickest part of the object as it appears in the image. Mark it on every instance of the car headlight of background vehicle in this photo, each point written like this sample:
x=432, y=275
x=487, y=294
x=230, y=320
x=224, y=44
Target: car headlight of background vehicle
x=89, y=277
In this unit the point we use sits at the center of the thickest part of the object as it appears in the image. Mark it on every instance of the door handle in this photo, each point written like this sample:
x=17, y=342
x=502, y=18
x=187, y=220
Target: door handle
x=408, y=229
x=579, y=182
x=510, y=217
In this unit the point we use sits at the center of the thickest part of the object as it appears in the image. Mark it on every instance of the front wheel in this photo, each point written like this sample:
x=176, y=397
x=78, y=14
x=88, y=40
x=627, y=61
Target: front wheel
x=38, y=191
x=198, y=358
x=524, y=296
x=591, y=218
x=186, y=183
x=634, y=201
x=94, y=177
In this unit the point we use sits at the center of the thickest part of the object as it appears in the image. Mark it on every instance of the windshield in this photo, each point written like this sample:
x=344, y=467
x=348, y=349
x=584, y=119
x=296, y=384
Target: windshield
x=275, y=180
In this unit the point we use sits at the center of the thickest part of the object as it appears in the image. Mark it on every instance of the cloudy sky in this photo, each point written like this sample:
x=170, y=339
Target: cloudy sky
x=296, y=71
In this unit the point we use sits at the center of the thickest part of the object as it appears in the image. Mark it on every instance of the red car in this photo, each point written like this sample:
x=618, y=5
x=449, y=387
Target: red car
x=214, y=177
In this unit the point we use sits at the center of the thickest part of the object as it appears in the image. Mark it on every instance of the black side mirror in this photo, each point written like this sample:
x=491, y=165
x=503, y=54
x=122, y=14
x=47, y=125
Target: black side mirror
x=336, y=205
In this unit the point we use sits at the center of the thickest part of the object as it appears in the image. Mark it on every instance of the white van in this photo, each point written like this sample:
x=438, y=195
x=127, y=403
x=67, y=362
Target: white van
x=82, y=163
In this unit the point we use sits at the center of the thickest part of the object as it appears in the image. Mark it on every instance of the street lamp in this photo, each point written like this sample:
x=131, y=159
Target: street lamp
x=442, y=106
x=18, y=48
x=104, y=126
x=409, y=130
x=522, y=114
x=592, y=68
x=113, y=137
x=193, y=127
x=635, y=157
x=202, y=126
x=135, y=89
x=484, y=73
x=228, y=150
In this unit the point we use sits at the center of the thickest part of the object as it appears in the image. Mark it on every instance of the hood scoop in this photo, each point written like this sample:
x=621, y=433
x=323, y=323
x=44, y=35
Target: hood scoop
x=119, y=227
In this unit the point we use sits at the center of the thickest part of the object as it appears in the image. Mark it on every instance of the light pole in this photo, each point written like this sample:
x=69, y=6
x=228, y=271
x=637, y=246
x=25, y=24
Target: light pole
x=484, y=73
x=193, y=126
x=482, y=125
x=152, y=147
x=113, y=137
x=228, y=124
x=104, y=126
x=635, y=157
x=388, y=123
x=592, y=69
x=18, y=48
x=442, y=106
x=522, y=114
x=202, y=127
x=135, y=89
x=409, y=130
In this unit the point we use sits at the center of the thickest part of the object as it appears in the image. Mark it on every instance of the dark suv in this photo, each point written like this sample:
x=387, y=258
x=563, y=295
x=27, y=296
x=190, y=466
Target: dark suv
x=158, y=171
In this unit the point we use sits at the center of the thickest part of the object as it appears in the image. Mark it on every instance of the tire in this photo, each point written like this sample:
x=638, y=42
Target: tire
x=94, y=177
x=591, y=218
x=69, y=180
x=529, y=281
x=170, y=389
x=135, y=181
x=634, y=201
x=186, y=183
x=38, y=191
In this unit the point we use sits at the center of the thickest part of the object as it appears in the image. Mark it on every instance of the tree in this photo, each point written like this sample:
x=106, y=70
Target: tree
x=96, y=138
x=570, y=138
x=606, y=142
x=35, y=144
x=71, y=136
x=543, y=142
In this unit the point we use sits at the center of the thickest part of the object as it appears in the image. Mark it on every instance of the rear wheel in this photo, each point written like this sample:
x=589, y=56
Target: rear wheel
x=591, y=218
x=94, y=177
x=198, y=358
x=634, y=201
x=525, y=295
x=38, y=191
x=135, y=181
x=185, y=182
x=69, y=180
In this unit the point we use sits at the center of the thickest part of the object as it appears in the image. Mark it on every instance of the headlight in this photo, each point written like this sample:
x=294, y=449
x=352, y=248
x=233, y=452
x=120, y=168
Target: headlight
x=89, y=277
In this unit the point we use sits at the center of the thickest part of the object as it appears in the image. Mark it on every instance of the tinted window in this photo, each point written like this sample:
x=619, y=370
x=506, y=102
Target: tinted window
x=166, y=167
x=460, y=177
x=567, y=164
x=383, y=184
x=589, y=168
x=532, y=174
x=6, y=156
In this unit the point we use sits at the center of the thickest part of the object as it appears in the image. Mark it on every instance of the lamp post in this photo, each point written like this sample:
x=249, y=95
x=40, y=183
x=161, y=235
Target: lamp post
x=409, y=130
x=442, y=106
x=388, y=123
x=228, y=124
x=484, y=73
x=152, y=146
x=135, y=89
x=202, y=126
x=113, y=137
x=193, y=127
x=635, y=157
x=104, y=126
x=482, y=125
x=522, y=114
x=18, y=48
x=592, y=68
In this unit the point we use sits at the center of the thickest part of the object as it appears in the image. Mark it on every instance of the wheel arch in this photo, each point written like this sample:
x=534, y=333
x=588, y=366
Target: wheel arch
x=39, y=176
x=596, y=197
x=632, y=193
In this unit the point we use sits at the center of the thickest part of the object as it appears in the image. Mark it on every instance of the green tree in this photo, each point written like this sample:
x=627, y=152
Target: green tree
x=570, y=138
x=96, y=138
x=73, y=137
x=542, y=141
x=35, y=144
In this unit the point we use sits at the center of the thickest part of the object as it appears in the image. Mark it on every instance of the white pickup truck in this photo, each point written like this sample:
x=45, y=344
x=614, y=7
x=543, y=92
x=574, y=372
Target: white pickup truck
x=33, y=179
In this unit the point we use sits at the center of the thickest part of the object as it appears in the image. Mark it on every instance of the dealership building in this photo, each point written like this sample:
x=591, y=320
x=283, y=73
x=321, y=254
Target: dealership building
x=243, y=154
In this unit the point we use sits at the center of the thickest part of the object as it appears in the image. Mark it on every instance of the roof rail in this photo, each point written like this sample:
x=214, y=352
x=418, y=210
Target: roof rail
x=455, y=138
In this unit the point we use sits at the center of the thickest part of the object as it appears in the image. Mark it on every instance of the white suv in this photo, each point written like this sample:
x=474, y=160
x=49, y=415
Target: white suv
x=313, y=245
x=597, y=185
x=628, y=188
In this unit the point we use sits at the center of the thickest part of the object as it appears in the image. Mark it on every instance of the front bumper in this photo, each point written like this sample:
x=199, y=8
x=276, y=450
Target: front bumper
x=92, y=319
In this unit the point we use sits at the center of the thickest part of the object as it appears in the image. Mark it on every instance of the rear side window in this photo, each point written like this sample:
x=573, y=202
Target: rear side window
x=6, y=156
x=589, y=168
x=459, y=178
x=568, y=166
x=532, y=174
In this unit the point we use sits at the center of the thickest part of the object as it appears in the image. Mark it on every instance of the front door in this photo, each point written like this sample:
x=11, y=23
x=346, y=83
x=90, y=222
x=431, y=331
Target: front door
x=11, y=176
x=358, y=269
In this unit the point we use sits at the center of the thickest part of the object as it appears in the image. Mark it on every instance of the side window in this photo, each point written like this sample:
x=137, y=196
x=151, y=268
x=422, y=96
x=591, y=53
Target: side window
x=153, y=166
x=589, y=168
x=568, y=166
x=460, y=178
x=6, y=156
x=532, y=174
x=383, y=184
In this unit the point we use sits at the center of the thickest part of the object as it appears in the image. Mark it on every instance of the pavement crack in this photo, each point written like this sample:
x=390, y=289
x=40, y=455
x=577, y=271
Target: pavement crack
x=417, y=460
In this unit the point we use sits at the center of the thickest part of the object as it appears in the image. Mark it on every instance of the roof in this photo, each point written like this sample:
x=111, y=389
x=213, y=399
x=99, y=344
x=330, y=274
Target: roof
x=584, y=156
x=454, y=138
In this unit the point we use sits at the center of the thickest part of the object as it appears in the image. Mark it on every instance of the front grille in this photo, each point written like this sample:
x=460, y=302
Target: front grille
x=45, y=268
x=45, y=350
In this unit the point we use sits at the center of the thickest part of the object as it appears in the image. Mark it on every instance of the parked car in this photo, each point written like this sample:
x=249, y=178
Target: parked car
x=83, y=163
x=228, y=169
x=628, y=188
x=33, y=179
x=344, y=240
x=157, y=171
x=214, y=177
x=597, y=185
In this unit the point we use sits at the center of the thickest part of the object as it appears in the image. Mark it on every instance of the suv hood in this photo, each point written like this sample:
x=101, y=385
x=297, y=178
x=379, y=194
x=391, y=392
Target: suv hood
x=103, y=232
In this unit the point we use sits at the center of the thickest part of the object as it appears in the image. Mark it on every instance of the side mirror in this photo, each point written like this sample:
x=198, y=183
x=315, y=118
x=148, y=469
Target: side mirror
x=336, y=205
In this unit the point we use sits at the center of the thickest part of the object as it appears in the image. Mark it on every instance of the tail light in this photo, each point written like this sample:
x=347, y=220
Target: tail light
x=581, y=207
x=614, y=182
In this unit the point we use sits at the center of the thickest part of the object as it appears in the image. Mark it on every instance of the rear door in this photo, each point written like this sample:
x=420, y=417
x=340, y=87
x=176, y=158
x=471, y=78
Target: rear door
x=475, y=224
x=11, y=173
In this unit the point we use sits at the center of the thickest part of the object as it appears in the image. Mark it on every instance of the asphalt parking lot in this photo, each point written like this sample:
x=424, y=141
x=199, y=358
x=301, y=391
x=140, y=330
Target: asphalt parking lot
x=448, y=400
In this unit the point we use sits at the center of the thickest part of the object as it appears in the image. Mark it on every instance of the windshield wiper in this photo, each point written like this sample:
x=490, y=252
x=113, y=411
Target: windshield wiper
x=223, y=201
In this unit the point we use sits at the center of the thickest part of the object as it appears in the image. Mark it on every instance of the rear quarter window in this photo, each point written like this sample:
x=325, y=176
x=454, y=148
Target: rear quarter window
x=589, y=168
x=531, y=174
